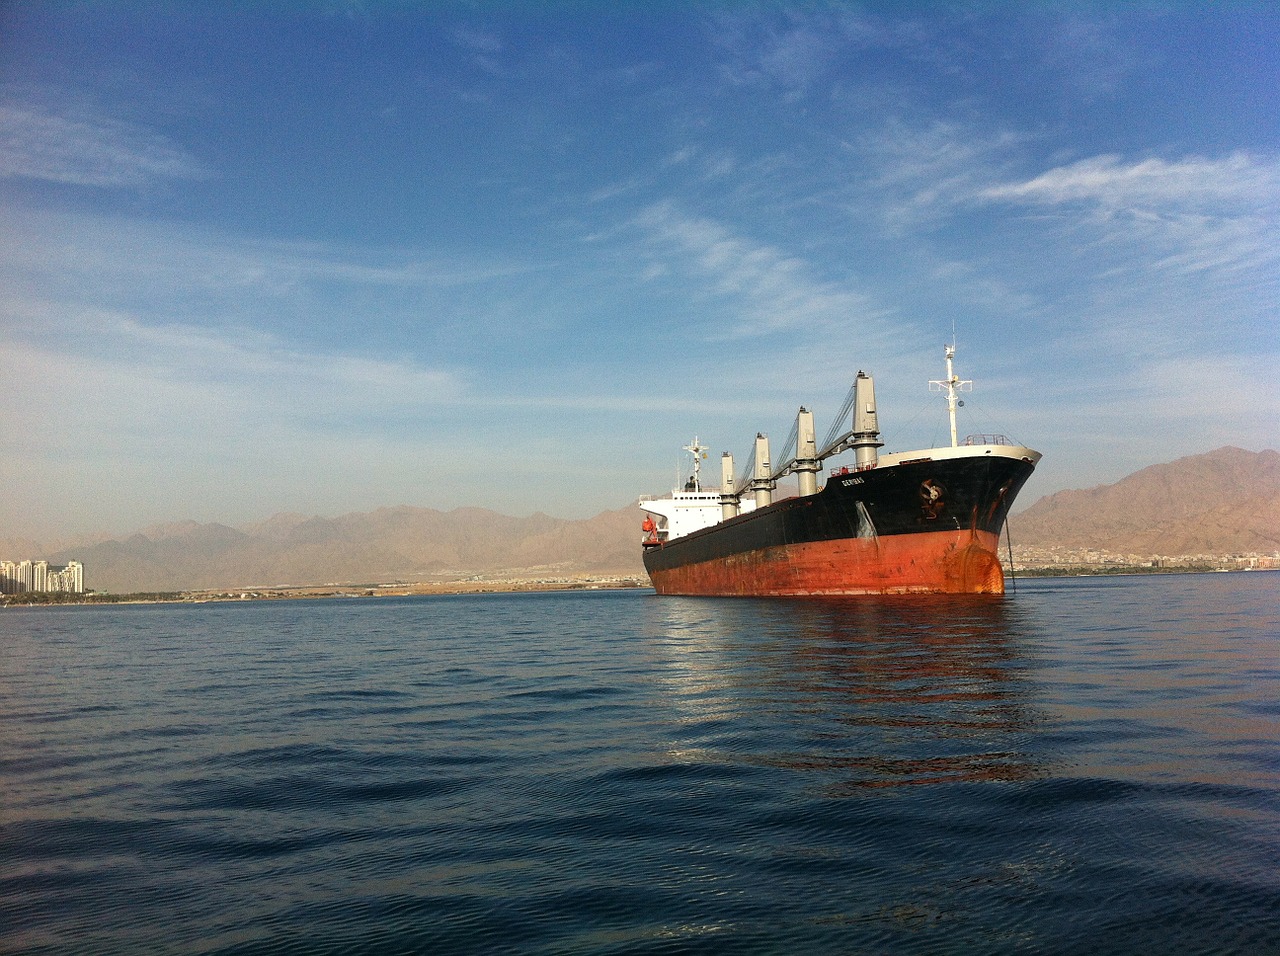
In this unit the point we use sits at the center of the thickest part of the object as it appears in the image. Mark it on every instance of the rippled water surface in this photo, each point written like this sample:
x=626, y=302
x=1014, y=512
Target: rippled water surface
x=1088, y=766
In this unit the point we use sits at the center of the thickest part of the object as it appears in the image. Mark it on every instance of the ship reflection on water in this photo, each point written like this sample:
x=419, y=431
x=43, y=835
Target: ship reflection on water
x=863, y=693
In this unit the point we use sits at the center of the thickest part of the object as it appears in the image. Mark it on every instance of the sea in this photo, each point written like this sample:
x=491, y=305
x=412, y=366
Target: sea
x=1086, y=765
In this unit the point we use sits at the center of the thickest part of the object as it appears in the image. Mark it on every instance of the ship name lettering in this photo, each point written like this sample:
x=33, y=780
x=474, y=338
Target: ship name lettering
x=852, y=481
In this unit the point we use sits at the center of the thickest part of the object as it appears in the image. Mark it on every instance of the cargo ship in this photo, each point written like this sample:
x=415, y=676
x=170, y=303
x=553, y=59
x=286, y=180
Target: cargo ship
x=916, y=522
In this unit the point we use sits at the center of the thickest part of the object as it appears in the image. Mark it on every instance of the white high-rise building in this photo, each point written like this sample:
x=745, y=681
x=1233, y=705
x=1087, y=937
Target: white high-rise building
x=68, y=580
x=19, y=576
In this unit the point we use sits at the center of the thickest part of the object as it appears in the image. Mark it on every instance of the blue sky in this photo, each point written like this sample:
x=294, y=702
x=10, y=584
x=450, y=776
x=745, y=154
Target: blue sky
x=325, y=257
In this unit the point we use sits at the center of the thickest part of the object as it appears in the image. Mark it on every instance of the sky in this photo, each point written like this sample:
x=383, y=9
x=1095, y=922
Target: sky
x=325, y=257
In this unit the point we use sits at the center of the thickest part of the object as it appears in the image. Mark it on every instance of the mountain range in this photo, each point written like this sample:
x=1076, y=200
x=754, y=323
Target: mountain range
x=1225, y=501
x=376, y=547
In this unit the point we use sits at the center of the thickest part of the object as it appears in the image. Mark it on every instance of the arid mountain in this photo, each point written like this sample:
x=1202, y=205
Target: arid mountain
x=1223, y=502
x=407, y=544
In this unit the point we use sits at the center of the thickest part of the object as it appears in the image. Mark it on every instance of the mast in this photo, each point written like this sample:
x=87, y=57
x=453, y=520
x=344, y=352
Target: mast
x=699, y=452
x=952, y=385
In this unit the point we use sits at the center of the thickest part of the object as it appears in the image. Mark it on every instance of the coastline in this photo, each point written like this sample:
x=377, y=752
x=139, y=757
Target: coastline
x=327, y=591
x=476, y=586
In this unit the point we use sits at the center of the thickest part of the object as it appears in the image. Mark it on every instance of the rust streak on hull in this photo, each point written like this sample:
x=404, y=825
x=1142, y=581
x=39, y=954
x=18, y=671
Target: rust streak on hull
x=940, y=562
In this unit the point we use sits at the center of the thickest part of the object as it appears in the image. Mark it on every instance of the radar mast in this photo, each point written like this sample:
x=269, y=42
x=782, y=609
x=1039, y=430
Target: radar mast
x=952, y=385
x=699, y=452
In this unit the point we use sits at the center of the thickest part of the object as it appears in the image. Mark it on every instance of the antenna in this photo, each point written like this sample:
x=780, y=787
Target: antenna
x=952, y=385
x=699, y=452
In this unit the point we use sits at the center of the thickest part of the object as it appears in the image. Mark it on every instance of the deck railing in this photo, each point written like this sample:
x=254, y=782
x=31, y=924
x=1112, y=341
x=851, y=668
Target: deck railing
x=988, y=440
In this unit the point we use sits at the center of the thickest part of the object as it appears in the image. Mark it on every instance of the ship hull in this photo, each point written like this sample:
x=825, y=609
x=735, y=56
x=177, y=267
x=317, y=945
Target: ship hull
x=919, y=527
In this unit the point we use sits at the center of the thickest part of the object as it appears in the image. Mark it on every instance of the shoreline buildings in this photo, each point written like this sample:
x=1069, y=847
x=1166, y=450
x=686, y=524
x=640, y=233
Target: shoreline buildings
x=17, y=577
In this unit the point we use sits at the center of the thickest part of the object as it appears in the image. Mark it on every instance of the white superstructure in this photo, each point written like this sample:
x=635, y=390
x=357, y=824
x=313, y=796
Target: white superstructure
x=691, y=508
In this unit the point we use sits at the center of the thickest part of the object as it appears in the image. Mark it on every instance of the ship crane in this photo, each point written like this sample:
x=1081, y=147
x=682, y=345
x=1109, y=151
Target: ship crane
x=801, y=455
x=864, y=436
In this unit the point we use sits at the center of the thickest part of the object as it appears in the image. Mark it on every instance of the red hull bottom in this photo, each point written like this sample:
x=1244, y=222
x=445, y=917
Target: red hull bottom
x=938, y=562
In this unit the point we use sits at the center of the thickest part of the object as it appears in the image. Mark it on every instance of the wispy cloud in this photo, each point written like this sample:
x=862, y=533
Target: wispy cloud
x=1099, y=219
x=261, y=364
x=189, y=275
x=84, y=149
x=771, y=289
x=485, y=50
x=1184, y=216
x=216, y=422
x=791, y=51
x=193, y=381
x=919, y=174
x=477, y=40
x=1191, y=182
x=965, y=282
x=1083, y=48
x=221, y=331
x=799, y=50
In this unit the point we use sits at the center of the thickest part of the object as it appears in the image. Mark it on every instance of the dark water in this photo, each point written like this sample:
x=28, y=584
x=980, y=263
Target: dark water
x=1089, y=766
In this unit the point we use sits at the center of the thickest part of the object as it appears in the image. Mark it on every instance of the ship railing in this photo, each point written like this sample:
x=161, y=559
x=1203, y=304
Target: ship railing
x=709, y=490
x=988, y=440
x=846, y=470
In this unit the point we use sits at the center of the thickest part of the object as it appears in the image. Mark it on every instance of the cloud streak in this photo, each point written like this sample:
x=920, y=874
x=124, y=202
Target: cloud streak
x=1096, y=223
x=770, y=290
x=174, y=276
x=88, y=150
x=185, y=380
x=793, y=51
x=1186, y=216
x=1193, y=182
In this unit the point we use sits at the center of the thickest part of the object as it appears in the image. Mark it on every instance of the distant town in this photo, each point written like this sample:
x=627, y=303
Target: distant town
x=20, y=577
x=1049, y=560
